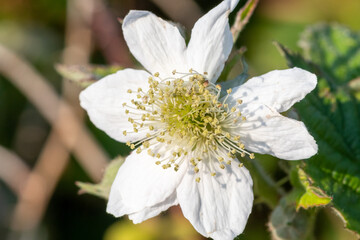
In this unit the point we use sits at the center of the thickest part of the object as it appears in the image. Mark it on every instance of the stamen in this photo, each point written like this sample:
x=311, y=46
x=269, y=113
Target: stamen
x=185, y=112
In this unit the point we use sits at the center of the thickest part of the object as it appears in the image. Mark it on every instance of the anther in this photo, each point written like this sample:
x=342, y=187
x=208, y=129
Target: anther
x=190, y=115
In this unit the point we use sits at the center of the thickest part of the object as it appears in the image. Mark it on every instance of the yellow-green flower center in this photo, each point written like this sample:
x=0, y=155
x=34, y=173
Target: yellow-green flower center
x=187, y=114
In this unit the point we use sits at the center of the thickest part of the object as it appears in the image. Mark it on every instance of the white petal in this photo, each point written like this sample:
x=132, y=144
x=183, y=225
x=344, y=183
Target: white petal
x=155, y=210
x=155, y=43
x=217, y=206
x=140, y=183
x=278, y=89
x=211, y=41
x=103, y=102
x=266, y=131
x=118, y=208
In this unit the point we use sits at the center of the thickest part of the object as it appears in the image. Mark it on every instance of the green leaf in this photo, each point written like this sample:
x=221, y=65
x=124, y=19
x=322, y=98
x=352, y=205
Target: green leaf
x=313, y=196
x=332, y=114
x=242, y=18
x=335, y=48
x=286, y=223
x=238, y=80
x=102, y=189
x=85, y=75
x=354, y=86
x=233, y=61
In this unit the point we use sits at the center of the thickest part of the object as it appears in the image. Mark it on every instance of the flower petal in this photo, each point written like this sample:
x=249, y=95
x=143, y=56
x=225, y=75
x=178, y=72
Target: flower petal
x=103, y=101
x=278, y=89
x=155, y=210
x=155, y=43
x=141, y=184
x=266, y=131
x=217, y=206
x=118, y=208
x=211, y=41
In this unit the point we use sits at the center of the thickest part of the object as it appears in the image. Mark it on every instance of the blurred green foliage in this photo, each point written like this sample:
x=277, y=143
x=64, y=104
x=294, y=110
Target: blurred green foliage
x=102, y=189
x=332, y=114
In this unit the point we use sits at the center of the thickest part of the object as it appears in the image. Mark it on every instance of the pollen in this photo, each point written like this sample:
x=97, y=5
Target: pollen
x=185, y=118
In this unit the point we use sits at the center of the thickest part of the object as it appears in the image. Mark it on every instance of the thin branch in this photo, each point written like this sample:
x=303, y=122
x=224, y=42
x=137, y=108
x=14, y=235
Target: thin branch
x=44, y=97
x=13, y=170
x=67, y=133
x=39, y=187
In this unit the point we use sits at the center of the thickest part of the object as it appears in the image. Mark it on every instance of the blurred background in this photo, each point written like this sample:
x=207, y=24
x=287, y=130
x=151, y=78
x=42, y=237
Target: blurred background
x=47, y=142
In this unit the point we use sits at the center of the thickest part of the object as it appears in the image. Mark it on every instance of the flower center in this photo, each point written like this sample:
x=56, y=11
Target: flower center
x=187, y=114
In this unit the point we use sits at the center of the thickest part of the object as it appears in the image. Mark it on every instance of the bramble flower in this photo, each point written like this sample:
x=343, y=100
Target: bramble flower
x=189, y=139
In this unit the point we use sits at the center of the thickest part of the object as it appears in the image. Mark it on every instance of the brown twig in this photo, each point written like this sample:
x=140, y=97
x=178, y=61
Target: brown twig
x=36, y=89
x=40, y=185
x=10, y=164
x=44, y=97
x=68, y=132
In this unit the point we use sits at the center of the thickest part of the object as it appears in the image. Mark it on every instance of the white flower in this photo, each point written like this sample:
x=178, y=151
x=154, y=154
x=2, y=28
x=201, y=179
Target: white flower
x=186, y=135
